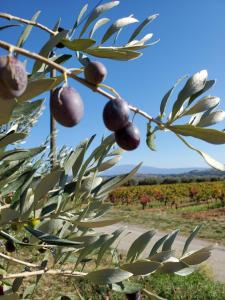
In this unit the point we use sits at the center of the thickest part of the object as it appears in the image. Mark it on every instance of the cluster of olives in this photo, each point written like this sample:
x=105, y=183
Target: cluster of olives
x=66, y=104
x=13, y=77
x=67, y=108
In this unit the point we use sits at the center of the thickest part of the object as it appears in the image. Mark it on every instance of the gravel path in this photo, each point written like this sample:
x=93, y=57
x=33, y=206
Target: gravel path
x=216, y=261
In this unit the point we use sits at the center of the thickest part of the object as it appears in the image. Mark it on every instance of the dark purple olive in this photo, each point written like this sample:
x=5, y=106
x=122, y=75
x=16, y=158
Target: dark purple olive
x=25, y=240
x=128, y=138
x=95, y=72
x=66, y=106
x=134, y=296
x=1, y=290
x=13, y=77
x=116, y=114
x=60, y=45
x=9, y=246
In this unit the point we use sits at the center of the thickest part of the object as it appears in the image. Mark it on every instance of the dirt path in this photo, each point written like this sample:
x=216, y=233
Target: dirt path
x=216, y=261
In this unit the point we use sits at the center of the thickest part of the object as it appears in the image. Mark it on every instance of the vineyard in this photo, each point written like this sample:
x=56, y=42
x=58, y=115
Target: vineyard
x=170, y=195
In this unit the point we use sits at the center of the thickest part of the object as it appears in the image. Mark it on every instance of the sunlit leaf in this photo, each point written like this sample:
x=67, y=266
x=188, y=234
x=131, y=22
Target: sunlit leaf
x=141, y=26
x=97, y=25
x=108, y=276
x=100, y=9
x=115, y=27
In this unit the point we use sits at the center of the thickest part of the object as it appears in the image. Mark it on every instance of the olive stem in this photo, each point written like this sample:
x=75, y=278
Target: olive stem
x=64, y=70
x=29, y=22
x=18, y=261
x=66, y=273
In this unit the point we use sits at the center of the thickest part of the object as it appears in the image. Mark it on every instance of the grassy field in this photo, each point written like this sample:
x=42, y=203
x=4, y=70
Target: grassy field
x=185, y=219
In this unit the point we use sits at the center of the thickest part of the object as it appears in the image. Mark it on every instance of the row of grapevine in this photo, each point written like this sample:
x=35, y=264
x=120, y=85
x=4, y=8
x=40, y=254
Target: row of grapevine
x=169, y=194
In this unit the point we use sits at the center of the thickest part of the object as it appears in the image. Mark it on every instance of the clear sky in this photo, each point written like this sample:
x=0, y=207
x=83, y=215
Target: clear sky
x=192, y=38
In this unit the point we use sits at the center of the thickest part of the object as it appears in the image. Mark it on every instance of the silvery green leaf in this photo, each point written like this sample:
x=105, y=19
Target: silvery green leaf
x=52, y=239
x=212, y=136
x=11, y=137
x=141, y=267
x=92, y=247
x=21, y=154
x=116, y=26
x=146, y=38
x=213, y=118
x=57, y=24
x=162, y=256
x=90, y=183
x=167, y=245
x=46, y=184
x=150, y=138
x=109, y=163
x=78, y=44
x=117, y=53
x=27, y=108
x=36, y=87
x=47, y=48
x=108, y=276
x=108, y=244
x=115, y=181
x=127, y=287
x=157, y=245
x=196, y=258
x=6, y=110
x=82, y=12
x=139, y=245
x=186, y=271
x=191, y=237
x=172, y=267
x=7, y=215
x=168, y=94
x=27, y=30
x=97, y=25
x=100, y=9
x=142, y=25
x=203, y=105
x=208, y=159
x=193, y=85
x=208, y=85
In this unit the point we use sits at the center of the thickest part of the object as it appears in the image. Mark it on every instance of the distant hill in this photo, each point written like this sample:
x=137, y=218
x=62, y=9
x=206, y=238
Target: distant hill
x=147, y=170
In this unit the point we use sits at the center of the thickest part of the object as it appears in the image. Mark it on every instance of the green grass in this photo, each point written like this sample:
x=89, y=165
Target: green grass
x=171, y=219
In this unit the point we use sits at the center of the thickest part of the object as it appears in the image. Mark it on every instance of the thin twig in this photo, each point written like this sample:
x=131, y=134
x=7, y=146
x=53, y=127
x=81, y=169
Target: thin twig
x=64, y=70
x=18, y=261
x=29, y=22
x=66, y=273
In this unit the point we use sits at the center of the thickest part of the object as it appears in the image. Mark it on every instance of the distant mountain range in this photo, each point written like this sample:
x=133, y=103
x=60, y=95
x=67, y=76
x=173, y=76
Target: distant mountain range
x=147, y=170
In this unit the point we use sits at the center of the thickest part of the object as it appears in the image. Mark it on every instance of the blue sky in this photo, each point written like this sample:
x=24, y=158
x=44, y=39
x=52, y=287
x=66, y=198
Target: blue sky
x=191, y=39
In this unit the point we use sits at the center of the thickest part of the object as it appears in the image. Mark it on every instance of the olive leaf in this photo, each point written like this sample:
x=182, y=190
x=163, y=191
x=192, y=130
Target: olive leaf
x=27, y=30
x=115, y=27
x=100, y=9
x=97, y=25
x=212, y=136
x=117, y=53
x=141, y=26
x=108, y=276
x=194, y=85
x=208, y=159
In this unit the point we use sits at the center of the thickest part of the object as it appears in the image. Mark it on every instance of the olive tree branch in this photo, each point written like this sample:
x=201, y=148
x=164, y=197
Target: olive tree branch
x=18, y=261
x=29, y=22
x=66, y=273
x=68, y=73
